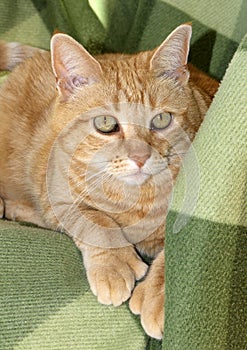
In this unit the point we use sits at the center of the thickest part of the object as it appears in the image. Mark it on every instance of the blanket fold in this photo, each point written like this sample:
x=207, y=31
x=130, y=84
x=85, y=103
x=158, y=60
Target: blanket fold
x=206, y=259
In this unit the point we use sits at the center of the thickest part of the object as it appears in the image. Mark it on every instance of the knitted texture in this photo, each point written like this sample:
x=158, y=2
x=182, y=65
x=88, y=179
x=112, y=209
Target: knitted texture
x=206, y=260
x=45, y=299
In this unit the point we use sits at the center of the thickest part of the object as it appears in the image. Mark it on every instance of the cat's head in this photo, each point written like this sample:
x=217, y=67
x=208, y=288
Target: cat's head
x=133, y=109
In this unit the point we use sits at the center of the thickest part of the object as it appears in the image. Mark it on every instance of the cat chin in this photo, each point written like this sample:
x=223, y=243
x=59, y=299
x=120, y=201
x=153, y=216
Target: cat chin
x=135, y=179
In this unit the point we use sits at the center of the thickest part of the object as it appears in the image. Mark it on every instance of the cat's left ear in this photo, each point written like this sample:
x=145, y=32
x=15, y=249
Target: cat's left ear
x=170, y=58
x=72, y=65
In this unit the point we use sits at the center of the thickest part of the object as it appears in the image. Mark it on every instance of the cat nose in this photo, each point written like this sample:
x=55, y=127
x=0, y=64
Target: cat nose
x=140, y=159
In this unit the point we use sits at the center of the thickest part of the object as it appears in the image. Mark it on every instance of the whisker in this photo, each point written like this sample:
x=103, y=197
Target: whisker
x=85, y=178
x=99, y=162
x=81, y=196
x=176, y=154
x=94, y=183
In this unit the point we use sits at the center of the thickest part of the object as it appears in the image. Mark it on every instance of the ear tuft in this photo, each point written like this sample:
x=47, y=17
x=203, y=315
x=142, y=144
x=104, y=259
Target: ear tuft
x=170, y=58
x=72, y=65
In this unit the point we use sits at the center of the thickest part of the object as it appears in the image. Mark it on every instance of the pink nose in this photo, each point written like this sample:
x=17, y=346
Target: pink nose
x=140, y=159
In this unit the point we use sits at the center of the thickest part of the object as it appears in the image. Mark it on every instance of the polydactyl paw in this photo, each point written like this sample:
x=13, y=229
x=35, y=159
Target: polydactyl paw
x=112, y=274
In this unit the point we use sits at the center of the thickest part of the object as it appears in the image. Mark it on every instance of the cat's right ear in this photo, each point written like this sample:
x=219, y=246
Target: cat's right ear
x=72, y=65
x=170, y=58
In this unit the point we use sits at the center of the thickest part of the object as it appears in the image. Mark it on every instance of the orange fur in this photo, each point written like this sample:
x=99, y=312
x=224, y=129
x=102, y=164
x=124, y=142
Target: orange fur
x=119, y=182
x=12, y=54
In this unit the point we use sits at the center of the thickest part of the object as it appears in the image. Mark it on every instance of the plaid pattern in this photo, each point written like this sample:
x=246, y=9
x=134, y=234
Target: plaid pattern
x=45, y=302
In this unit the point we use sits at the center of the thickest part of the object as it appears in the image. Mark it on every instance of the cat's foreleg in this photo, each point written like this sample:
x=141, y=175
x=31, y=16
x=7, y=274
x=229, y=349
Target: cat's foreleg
x=112, y=272
x=148, y=299
x=17, y=210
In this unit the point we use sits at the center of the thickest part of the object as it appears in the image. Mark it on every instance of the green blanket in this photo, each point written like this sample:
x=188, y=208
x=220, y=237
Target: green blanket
x=45, y=301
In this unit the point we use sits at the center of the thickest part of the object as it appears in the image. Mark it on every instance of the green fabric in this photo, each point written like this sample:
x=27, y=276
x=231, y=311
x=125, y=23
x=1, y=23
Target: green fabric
x=130, y=25
x=205, y=286
x=45, y=302
x=45, y=299
x=206, y=261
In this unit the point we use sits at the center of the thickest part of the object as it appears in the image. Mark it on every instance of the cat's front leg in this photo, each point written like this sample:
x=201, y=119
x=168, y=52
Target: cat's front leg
x=148, y=299
x=17, y=210
x=112, y=272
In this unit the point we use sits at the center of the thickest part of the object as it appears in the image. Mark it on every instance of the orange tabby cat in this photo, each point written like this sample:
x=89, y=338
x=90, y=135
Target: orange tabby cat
x=91, y=146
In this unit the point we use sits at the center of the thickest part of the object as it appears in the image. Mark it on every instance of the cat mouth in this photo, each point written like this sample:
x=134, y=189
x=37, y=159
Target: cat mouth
x=136, y=178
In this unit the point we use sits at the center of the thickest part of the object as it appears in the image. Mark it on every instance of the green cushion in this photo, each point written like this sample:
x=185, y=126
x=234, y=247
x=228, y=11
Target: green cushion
x=46, y=302
x=206, y=258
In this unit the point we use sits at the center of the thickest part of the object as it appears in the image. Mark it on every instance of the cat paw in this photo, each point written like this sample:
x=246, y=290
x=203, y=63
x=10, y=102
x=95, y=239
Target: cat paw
x=112, y=280
x=148, y=301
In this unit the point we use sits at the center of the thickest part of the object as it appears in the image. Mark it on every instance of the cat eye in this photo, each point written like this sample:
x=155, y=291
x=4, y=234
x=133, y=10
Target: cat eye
x=106, y=124
x=161, y=121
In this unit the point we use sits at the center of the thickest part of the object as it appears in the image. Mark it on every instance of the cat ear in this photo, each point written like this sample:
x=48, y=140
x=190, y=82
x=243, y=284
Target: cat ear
x=170, y=58
x=72, y=65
